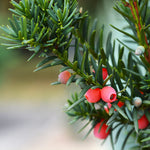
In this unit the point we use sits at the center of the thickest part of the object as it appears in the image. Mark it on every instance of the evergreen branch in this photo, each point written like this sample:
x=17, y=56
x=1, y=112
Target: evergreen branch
x=139, y=28
x=52, y=28
x=88, y=78
x=127, y=34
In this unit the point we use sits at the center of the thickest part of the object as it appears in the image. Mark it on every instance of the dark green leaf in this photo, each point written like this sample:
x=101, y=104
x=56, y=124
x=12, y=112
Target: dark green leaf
x=112, y=141
x=79, y=80
x=112, y=118
x=128, y=113
x=130, y=61
x=126, y=138
x=88, y=132
x=118, y=81
x=84, y=126
x=83, y=61
x=64, y=68
x=103, y=55
x=132, y=72
x=56, y=83
x=99, y=76
x=92, y=40
x=147, y=131
x=45, y=61
x=76, y=103
x=120, y=111
x=145, y=139
x=135, y=120
x=129, y=106
x=118, y=133
x=146, y=146
x=70, y=80
x=127, y=34
x=84, y=90
x=108, y=44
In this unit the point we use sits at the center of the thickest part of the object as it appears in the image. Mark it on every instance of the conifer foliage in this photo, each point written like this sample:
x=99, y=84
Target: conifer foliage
x=115, y=93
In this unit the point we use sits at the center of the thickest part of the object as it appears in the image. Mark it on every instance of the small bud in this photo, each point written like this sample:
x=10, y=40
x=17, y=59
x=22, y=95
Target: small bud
x=140, y=50
x=106, y=109
x=108, y=94
x=81, y=10
x=93, y=95
x=97, y=106
x=137, y=101
x=143, y=122
x=101, y=133
x=64, y=76
x=66, y=105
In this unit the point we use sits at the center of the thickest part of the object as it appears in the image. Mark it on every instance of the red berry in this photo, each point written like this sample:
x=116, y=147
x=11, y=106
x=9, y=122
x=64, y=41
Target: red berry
x=101, y=134
x=105, y=73
x=143, y=122
x=108, y=94
x=93, y=95
x=64, y=76
x=120, y=104
x=142, y=92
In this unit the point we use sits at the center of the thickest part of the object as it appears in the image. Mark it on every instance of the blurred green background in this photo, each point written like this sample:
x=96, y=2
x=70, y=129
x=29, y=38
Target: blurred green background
x=31, y=110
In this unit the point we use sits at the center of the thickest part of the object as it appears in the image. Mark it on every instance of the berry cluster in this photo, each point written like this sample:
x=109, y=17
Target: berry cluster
x=108, y=95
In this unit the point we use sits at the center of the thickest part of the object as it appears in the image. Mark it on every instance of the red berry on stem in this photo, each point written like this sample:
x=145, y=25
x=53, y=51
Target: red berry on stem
x=120, y=104
x=64, y=76
x=108, y=94
x=143, y=122
x=104, y=73
x=142, y=92
x=101, y=133
x=93, y=95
